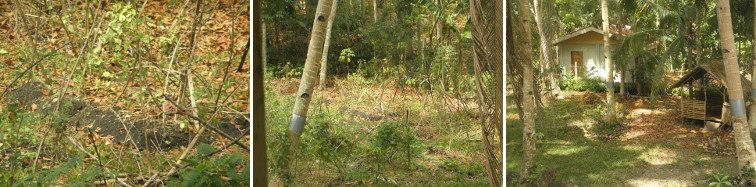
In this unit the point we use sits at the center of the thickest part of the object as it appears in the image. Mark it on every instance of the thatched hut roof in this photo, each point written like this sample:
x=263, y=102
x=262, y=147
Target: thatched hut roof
x=716, y=69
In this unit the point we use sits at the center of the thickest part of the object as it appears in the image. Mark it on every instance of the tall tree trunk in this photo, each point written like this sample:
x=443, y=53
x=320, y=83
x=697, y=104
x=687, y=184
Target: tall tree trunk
x=309, y=78
x=375, y=11
x=439, y=23
x=260, y=153
x=324, y=59
x=743, y=142
x=514, y=68
x=498, y=61
x=610, y=115
x=480, y=57
x=752, y=121
x=545, y=32
x=623, y=64
x=528, y=129
x=264, y=52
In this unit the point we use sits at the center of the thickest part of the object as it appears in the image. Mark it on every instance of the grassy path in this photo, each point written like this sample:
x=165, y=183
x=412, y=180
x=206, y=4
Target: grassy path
x=653, y=147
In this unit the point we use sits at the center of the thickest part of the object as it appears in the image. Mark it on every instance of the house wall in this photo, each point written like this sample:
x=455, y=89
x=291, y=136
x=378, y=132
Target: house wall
x=593, y=61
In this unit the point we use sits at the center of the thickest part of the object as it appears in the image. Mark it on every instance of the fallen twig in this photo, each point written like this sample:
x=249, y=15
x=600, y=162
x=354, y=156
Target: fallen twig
x=30, y=67
x=96, y=158
x=174, y=170
x=185, y=112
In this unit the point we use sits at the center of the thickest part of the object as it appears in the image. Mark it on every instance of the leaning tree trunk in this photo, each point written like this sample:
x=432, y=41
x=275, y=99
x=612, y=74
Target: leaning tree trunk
x=528, y=127
x=324, y=59
x=309, y=78
x=752, y=121
x=743, y=142
x=610, y=115
x=260, y=153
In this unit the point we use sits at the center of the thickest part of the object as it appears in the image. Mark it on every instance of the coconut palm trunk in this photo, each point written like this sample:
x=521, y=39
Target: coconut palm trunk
x=743, y=142
x=260, y=153
x=528, y=102
x=324, y=59
x=309, y=78
x=610, y=114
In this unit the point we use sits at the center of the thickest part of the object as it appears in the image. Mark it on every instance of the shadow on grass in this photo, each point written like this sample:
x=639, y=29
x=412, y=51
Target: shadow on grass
x=573, y=157
x=566, y=151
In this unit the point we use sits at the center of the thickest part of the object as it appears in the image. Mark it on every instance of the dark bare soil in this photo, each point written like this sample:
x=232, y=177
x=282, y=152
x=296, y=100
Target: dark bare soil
x=144, y=132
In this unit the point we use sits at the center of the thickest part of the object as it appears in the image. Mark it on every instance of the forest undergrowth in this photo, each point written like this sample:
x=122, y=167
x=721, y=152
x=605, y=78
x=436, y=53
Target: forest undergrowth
x=373, y=131
x=651, y=146
x=104, y=93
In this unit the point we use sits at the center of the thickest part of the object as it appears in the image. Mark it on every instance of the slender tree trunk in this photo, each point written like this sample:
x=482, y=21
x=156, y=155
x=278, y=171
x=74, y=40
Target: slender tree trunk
x=610, y=115
x=264, y=52
x=514, y=68
x=309, y=78
x=375, y=11
x=439, y=22
x=623, y=64
x=260, y=153
x=528, y=129
x=752, y=121
x=498, y=61
x=324, y=59
x=743, y=142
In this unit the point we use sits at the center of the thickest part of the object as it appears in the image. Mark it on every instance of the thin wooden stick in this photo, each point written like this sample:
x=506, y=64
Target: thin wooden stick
x=168, y=74
x=184, y=112
x=93, y=157
x=174, y=169
x=30, y=67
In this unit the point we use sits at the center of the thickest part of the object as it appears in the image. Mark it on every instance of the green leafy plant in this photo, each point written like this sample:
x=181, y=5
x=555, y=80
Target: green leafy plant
x=569, y=82
x=214, y=171
x=345, y=57
x=720, y=180
x=391, y=140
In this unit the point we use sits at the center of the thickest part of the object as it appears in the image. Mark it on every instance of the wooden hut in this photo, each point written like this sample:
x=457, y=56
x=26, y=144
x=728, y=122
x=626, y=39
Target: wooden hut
x=707, y=102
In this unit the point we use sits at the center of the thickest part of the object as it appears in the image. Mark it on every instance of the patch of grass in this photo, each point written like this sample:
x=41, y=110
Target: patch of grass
x=375, y=152
x=566, y=150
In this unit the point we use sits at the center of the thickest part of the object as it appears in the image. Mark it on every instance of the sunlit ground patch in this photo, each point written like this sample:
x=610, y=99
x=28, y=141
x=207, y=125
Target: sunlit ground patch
x=659, y=156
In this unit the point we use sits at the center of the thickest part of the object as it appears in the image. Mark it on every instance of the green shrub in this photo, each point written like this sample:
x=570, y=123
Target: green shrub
x=570, y=82
x=330, y=145
x=211, y=171
x=392, y=141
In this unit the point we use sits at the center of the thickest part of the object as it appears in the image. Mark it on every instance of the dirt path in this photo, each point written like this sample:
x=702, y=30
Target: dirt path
x=681, y=154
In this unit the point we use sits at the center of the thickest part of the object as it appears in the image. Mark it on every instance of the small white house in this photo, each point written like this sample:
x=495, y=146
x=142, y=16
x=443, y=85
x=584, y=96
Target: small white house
x=582, y=54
